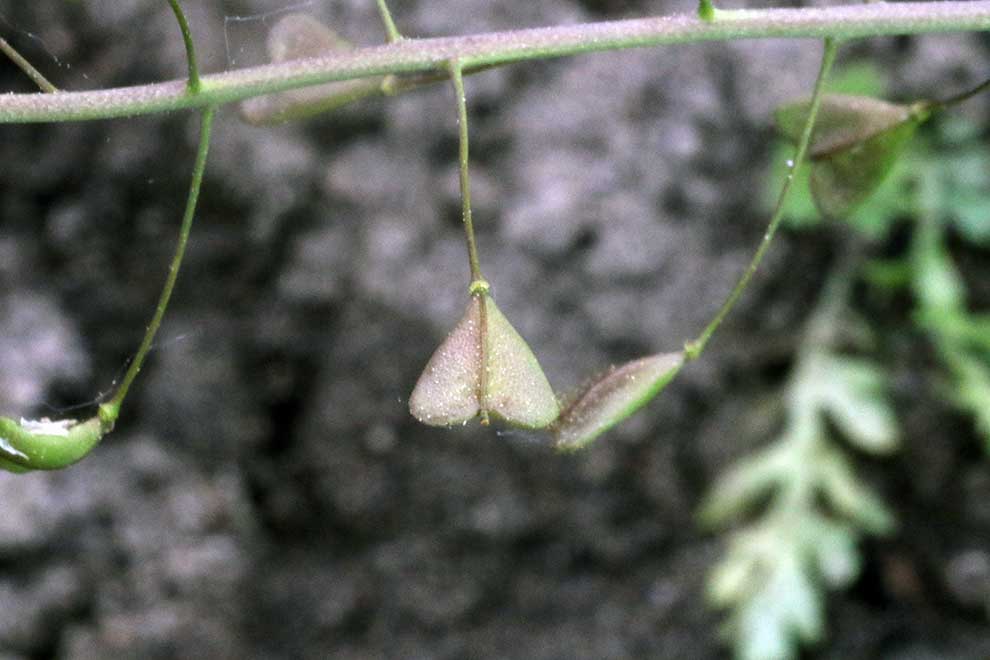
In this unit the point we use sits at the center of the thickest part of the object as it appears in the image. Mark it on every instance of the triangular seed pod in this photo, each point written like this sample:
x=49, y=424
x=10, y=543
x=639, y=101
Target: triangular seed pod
x=842, y=121
x=517, y=390
x=483, y=367
x=843, y=180
x=856, y=142
x=447, y=390
x=299, y=36
x=612, y=397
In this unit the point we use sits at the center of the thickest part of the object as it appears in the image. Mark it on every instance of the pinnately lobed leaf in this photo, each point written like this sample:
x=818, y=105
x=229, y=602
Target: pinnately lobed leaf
x=614, y=396
x=484, y=367
x=46, y=445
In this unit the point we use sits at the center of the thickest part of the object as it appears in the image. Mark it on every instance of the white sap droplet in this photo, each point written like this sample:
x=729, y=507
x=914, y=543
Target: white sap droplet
x=10, y=449
x=45, y=426
x=790, y=163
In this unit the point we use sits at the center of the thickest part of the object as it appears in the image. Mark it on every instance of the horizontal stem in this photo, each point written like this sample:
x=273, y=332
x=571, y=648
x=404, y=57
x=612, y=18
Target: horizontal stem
x=497, y=48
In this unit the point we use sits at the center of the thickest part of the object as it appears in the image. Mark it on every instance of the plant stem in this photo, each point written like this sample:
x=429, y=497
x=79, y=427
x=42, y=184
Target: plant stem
x=457, y=78
x=390, y=29
x=478, y=287
x=498, y=48
x=695, y=348
x=706, y=11
x=963, y=96
x=110, y=410
x=280, y=108
x=194, y=82
x=26, y=67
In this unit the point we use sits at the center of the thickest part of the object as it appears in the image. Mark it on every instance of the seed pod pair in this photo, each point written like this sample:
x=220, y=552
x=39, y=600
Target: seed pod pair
x=484, y=368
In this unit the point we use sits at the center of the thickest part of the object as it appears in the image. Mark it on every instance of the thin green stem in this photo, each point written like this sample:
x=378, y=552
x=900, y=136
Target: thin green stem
x=27, y=67
x=194, y=83
x=695, y=348
x=499, y=48
x=706, y=10
x=964, y=96
x=390, y=29
x=110, y=410
x=457, y=77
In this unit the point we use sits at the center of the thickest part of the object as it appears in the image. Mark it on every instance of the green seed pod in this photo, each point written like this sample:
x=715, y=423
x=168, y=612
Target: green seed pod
x=846, y=179
x=298, y=36
x=47, y=445
x=855, y=144
x=10, y=466
x=484, y=367
x=295, y=37
x=612, y=397
x=843, y=121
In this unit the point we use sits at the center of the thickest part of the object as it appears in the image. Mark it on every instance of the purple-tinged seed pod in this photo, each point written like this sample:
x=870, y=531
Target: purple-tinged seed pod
x=612, y=397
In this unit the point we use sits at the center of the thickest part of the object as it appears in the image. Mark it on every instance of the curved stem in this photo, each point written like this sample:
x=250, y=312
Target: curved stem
x=111, y=410
x=456, y=75
x=959, y=98
x=499, y=48
x=27, y=67
x=694, y=349
x=194, y=82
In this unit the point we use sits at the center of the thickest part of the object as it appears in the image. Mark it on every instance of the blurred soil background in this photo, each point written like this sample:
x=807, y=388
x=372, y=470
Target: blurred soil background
x=267, y=495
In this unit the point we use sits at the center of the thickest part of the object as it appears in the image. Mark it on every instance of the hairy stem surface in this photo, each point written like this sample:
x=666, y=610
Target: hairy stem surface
x=498, y=48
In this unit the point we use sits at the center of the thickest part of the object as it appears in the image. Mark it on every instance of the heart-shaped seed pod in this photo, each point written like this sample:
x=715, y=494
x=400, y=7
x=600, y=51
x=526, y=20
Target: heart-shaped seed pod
x=843, y=121
x=856, y=141
x=295, y=37
x=612, y=397
x=844, y=180
x=47, y=445
x=484, y=367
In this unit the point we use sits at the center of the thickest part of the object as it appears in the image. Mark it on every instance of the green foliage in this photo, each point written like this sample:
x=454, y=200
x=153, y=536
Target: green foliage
x=961, y=165
x=815, y=510
x=944, y=186
x=812, y=509
x=952, y=192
